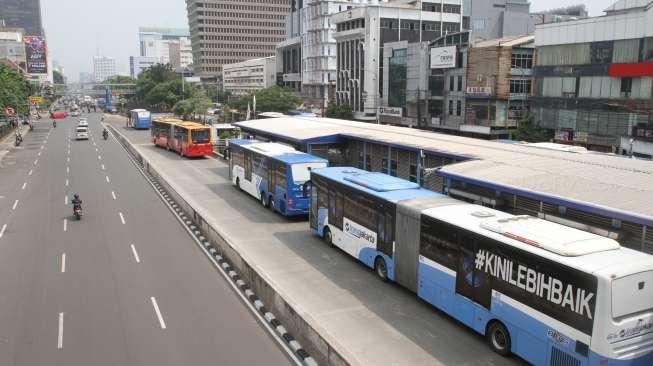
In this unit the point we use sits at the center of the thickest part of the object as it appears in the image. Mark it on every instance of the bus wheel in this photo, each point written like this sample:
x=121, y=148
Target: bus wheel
x=328, y=238
x=271, y=203
x=498, y=338
x=264, y=202
x=380, y=269
x=238, y=184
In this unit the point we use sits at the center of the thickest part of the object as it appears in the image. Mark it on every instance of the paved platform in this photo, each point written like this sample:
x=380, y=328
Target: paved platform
x=366, y=321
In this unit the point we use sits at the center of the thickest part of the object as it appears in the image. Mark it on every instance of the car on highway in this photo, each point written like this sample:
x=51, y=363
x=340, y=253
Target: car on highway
x=82, y=123
x=74, y=113
x=81, y=133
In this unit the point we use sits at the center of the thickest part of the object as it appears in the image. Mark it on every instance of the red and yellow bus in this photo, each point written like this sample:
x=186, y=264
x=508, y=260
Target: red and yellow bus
x=190, y=139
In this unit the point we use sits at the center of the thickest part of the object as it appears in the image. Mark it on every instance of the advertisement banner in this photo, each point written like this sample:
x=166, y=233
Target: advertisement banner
x=36, y=55
x=443, y=57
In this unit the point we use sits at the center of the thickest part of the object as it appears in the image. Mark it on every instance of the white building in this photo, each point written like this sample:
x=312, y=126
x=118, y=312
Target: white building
x=361, y=32
x=167, y=45
x=245, y=77
x=12, y=47
x=104, y=68
x=139, y=63
x=307, y=59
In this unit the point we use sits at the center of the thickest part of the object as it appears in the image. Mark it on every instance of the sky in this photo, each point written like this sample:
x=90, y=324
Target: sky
x=77, y=30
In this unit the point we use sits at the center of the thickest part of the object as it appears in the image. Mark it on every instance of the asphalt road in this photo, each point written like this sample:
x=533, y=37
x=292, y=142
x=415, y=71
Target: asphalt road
x=126, y=285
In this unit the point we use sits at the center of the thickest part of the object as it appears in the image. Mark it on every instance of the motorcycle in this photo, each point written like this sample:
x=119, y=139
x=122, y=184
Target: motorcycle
x=54, y=124
x=18, y=141
x=77, y=211
x=105, y=134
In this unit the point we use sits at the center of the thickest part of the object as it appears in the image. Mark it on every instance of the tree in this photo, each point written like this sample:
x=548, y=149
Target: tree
x=342, y=111
x=120, y=79
x=272, y=99
x=14, y=90
x=198, y=104
x=528, y=130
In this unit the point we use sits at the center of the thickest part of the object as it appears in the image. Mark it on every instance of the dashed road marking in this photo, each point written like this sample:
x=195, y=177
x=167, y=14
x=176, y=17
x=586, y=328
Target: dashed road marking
x=113, y=194
x=65, y=200
x=65, y=224
x=136, y=257
x=63, y=263
x=103, y=167
x=24, y=185
x=162, y=323
x=14, y=206
x=30, y=172
x=36, y=161
x=2, y=231
x=66, y=182
x=122, y=218
x=60, y=335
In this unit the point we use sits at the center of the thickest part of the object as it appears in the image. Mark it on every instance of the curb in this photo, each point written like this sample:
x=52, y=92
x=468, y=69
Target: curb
x=211, y=251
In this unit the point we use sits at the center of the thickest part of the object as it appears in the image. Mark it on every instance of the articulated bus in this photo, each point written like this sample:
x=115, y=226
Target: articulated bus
x=275, y=174
x=190, y=139
x=140, y=119
x=551, y=294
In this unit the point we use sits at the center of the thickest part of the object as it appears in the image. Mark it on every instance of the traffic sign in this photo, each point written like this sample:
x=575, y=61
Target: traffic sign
x=9, y=112
x=36, y=99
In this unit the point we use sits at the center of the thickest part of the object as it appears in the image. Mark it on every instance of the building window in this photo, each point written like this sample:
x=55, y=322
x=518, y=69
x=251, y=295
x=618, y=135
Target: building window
x=412, y=175
x=451, y=83
x=626, y=86
x=460, y=83
x=520, y=86
x=522, y=60
x=397, y=79
x=451, y=107
x=601, y=52
x=459, y=108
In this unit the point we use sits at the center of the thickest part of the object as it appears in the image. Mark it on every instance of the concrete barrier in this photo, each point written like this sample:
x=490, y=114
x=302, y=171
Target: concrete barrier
x=293, y=320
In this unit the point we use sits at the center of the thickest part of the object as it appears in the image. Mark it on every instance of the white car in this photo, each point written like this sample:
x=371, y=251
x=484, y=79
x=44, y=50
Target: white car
x=74, y=113
x=82, y=133
x=82, y=123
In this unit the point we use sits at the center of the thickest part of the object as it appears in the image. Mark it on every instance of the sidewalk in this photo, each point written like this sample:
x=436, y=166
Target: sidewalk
x=7, y=143
x=338, y=310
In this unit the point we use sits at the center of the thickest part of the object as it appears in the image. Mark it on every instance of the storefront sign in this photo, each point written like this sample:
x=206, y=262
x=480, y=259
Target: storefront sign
x=390, y=111
x=443, y=57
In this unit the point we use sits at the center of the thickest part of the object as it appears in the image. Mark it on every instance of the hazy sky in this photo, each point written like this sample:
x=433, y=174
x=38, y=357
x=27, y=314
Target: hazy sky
x=77, y=30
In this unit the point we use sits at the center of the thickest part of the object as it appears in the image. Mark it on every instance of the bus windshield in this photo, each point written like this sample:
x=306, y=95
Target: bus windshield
x=301, y=172
x=201, y=136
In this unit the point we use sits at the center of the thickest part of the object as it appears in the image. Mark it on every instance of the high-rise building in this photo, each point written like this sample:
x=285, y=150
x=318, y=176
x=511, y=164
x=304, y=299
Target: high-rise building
x=24, y=14
x=104, y=68
x=12, y=47
x=139, y=63
x=500, y=18
x=228, y=31
x=167, y=45
x=85, y=77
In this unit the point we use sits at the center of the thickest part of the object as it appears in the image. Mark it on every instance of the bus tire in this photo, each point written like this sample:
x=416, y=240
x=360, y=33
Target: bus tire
x=380, y=269
x=271, y=203
x=328, y=238
x=238, y=184
x=264, y=202
x=498, y=338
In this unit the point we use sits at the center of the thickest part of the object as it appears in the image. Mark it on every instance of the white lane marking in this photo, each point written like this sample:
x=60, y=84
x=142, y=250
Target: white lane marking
x=99, y=157
x=63, y=263
x=60, y=336
x=136, y=257
x=65, y=224
x=113, y=194
x=103, y=167
x=96, y=150
x=24, y=185
x=67, y=169
x=14, y=206
x=30, y=172
x=65, y=200
x=39, y=153
x=36, y=161
x=2, y=231
x=158, y=313
x=68, y=160
x=108, y=180
x=42, y=147
x=122, y=218
x=66, y=182
x=94, y=144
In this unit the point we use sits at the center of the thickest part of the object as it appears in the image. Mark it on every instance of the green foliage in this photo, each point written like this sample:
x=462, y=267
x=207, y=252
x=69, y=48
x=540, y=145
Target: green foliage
x=529, y=131
x=198, y=104
x=120, y=79
x=218, y=95
x=160, y=88
x=272, y=99
x=57, y=77
x=342, y=111
x=14, y=90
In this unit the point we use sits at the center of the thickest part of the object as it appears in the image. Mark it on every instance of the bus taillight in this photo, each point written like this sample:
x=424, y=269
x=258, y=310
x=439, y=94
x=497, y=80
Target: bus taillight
x=291, y=202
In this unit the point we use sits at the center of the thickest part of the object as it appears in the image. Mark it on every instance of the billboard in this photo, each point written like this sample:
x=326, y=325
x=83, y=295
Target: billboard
x=443, y=57
x=36, y=55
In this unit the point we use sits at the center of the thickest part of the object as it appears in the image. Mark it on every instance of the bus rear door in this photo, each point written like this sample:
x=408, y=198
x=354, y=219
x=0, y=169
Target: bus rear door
x=472, y=285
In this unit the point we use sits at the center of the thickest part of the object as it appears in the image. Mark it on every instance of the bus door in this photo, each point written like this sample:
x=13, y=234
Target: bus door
x=385, y=229
x=248, y=165
x=472, y=283
x=272, y=177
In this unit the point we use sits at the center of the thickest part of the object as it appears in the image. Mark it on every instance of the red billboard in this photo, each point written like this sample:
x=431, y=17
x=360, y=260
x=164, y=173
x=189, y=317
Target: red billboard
x=36, y=55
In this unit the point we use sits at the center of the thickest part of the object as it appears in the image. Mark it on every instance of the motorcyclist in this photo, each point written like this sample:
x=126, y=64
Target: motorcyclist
x=19, y=138
x=76, y=201
x=54, y=123
x=105, y=134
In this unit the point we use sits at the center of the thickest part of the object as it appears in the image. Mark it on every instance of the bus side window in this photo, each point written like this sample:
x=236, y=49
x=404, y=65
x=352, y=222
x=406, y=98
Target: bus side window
x=340, y=203
x=439, y=243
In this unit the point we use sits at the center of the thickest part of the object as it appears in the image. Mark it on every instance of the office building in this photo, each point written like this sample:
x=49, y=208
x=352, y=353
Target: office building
x=362, y=32
x=594, y=79
x=12, y=48
x=104, y=68
x=307, y=58
x=139, y=63
x=245, y=77
x=573, y=12
x=499, y=18
x=167, y=45
x=86, y=78
x=24, y=14
x=227, y=31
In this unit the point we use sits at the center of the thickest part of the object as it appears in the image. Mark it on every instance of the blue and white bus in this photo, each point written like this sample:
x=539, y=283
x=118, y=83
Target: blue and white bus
x=551, y=294
x=140, y=119
x=277, y=175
